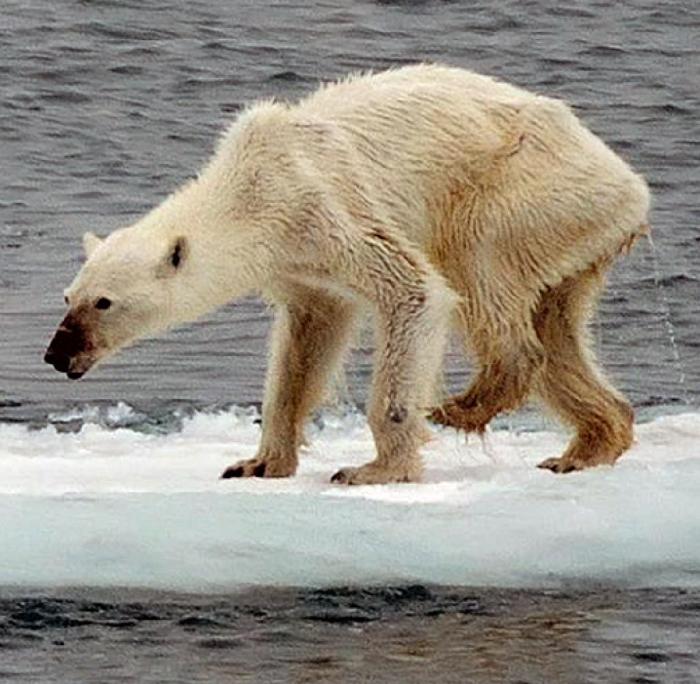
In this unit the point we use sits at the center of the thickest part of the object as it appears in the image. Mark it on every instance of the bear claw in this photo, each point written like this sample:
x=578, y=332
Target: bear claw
x=259, y=467
x=232, y=471
x=559, y=465
x=369, y=475
x=341, y=477
x=568, y=464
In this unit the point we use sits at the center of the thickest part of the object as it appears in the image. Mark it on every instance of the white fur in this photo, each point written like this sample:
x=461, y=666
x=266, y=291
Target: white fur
x=399, y=189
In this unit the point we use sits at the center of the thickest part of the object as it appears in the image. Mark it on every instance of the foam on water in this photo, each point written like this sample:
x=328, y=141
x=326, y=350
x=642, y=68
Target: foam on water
x=122, y=507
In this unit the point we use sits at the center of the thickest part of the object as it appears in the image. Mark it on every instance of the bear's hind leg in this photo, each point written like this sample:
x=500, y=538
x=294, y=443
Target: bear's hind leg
x=309, y=335
x=570, y=382
x=509, y=361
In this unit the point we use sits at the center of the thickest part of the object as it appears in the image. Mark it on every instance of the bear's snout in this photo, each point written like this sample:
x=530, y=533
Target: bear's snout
x=59, y=361
x=66, y=344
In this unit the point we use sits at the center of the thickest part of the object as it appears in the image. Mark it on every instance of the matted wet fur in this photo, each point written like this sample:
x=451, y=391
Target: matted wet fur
x=439, y=196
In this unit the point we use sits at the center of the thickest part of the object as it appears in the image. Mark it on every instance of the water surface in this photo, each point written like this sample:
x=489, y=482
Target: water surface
x=107, y=106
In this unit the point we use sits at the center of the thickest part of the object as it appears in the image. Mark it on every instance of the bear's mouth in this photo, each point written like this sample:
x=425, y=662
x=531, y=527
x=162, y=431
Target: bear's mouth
x=71, y=351
x=73, y=368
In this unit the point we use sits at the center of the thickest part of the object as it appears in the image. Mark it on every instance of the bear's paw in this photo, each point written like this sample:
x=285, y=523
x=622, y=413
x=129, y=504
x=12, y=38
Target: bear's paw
x=374, y=473
x=261, y=467
x=566, y=464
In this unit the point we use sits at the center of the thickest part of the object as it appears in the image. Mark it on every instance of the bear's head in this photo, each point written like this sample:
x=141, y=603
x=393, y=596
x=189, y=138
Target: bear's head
x=128, y=288
x=213, y=240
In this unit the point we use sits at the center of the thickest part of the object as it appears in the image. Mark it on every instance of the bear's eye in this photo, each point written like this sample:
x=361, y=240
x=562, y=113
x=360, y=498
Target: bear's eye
x=103, y=303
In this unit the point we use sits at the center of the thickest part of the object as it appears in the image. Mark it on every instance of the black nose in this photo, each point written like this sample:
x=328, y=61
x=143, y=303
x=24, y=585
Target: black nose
x=60, y=362
x=66, y=343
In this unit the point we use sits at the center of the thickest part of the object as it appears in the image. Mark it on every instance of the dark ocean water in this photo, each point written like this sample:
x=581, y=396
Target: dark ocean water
x=408, y=634
x=399, y=634
x=107, y=105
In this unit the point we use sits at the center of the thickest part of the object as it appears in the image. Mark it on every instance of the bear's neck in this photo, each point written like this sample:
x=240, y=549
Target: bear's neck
x=227, y=263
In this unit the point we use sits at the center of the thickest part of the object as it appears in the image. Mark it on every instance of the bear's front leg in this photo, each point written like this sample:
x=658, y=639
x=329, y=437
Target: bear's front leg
x=413, y=311
x=309, y=334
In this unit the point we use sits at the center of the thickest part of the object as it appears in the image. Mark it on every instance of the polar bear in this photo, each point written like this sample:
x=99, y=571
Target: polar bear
x=441, y=197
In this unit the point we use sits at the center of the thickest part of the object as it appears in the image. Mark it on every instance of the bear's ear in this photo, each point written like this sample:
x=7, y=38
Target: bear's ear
x=90, y=243
x=176, y=254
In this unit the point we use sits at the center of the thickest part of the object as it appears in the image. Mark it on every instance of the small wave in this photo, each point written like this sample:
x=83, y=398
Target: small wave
x=670, y=280
x=604, y=51
x=570, y=11
x=287, y=76
x=127, y=70
x=125, y=34
x=197, y=84
x=65, y=97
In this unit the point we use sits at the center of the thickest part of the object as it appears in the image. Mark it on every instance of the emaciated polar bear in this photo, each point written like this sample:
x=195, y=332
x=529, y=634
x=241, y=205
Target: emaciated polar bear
x=439, y=196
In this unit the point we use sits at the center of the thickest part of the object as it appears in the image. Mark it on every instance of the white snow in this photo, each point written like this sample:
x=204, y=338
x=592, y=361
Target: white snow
x=122, y=508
